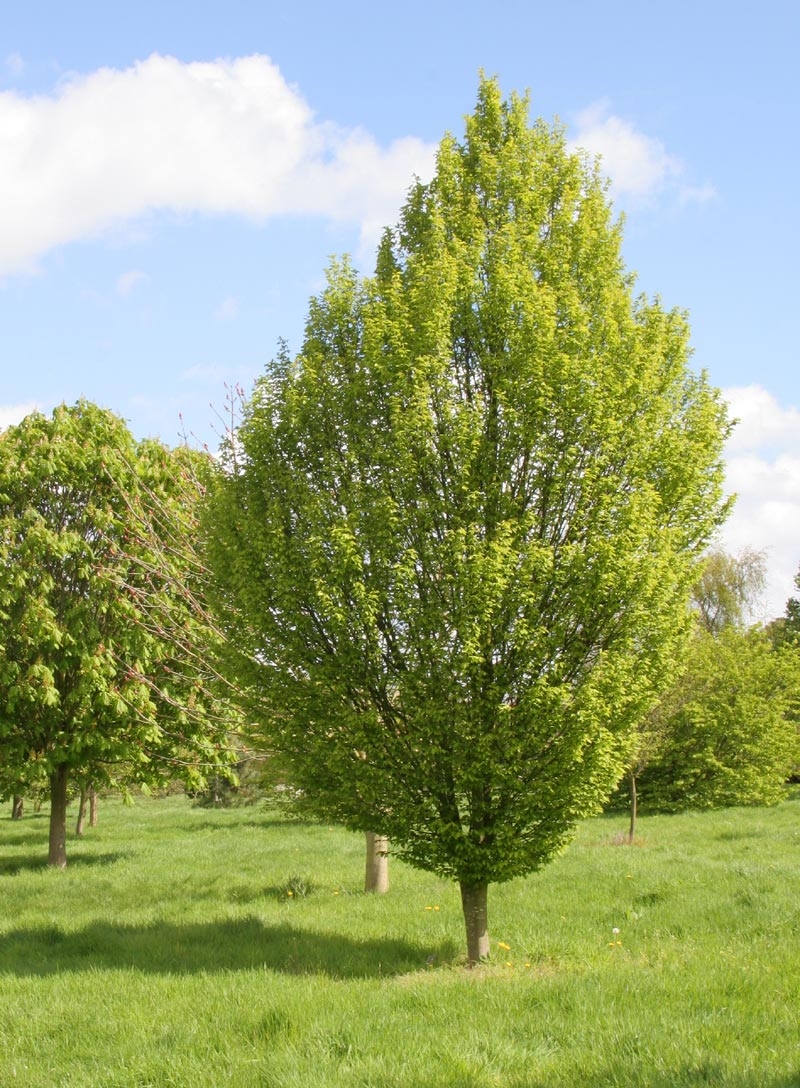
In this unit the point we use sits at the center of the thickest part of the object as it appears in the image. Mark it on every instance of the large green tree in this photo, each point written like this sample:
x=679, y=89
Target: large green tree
x=456, y=534
x=94, y=683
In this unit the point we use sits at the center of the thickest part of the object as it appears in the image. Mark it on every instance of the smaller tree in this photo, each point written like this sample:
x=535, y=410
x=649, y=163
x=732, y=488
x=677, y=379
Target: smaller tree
x=93, y=680
x=725, y=735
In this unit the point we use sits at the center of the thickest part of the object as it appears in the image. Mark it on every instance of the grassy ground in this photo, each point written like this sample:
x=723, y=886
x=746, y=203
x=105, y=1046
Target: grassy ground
x=170, y=953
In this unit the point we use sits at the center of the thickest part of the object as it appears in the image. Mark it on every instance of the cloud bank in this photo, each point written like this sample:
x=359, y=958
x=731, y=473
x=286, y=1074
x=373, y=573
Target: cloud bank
x=638, y=165
x=220, y=137
x=763, y=469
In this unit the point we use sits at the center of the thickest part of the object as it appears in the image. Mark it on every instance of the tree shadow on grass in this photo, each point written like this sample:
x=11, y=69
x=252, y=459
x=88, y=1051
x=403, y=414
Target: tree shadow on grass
x=23, y=863
x=235, y=945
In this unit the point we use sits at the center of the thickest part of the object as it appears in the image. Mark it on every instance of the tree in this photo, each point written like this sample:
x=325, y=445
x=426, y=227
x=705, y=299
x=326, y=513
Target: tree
x=725, y=592
x=726, y=732
x=92, y=682
x=729, y=588
x=455, y=536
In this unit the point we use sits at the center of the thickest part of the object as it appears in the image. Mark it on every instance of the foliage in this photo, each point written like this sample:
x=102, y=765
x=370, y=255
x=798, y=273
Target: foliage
x=724, y=732
x=92, y=679
x=728, y=588
x=456, y=534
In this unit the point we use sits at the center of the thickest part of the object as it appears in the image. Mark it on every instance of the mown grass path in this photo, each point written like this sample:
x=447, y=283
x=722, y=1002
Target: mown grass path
x=170, y=953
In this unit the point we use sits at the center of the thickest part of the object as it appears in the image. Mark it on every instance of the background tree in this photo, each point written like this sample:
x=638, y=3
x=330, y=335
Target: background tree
x=726, y=731
x=721, y=734
x=456, y=535
x=92, y=683
x=729, y=588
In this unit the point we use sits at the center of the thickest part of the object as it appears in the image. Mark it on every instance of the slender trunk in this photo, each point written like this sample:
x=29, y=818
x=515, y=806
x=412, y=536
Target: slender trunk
x=17, y=807
x=474, y=904
x=58, y=817
x=632, y=829
x=81, y=813
x=92, y=805
x=376, y=878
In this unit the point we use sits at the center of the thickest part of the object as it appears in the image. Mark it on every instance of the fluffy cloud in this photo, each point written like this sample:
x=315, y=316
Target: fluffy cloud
x=225, y=137
x=763, y=469
x=638, y=166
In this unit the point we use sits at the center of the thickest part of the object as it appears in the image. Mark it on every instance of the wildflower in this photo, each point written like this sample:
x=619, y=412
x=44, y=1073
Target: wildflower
x=290, y=893
x=615, y=930
x=429, y=908
x=504, y=946
x=435, y=908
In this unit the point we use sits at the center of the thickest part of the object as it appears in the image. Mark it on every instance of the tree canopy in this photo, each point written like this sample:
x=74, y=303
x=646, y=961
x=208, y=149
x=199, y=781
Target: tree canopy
x=93, y=681
x=456, y=534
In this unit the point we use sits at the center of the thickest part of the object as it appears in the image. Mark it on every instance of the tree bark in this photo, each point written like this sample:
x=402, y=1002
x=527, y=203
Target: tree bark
x=92, y=805
x=81, y=813
x=474, y=904
x=17, y=807
x=376, y=878
x=58, y=817
x=634, y=802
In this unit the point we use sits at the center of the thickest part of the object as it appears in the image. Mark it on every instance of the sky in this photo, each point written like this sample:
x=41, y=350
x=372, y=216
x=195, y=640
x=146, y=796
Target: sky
x=175, y=178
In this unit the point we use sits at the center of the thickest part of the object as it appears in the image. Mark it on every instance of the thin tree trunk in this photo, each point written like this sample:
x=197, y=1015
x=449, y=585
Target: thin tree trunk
x=92, y=805
x=634, y=802
x=376, y=878
x=81, y=813
x=58, y=817
x=474, y=904
x=17, y=807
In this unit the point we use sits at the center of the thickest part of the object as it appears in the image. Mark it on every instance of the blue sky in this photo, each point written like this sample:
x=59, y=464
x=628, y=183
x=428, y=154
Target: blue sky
x=176, y=176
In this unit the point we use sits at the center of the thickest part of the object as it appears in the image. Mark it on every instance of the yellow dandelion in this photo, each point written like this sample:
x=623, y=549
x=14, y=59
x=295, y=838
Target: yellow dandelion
x=290, y=893
x=503, y=945
x=435, y=908
x=429, y=908
x=527, y=965
x=508, y=964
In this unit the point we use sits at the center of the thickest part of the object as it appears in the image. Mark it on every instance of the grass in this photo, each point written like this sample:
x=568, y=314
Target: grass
x=170, y=953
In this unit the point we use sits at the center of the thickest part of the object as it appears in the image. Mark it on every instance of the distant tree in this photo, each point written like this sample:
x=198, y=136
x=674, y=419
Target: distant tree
x=456, y=535
x=93, y=682
x=729, y=588
x=725, y=731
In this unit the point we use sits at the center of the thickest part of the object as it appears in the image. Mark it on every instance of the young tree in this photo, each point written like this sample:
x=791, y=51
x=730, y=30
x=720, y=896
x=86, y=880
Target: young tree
x=456, y=535
x=726, y=736
x=727, y=589
x=91, y=677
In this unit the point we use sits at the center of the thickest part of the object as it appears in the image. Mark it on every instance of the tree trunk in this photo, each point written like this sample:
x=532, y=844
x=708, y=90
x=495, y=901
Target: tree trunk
x=92, y=805
x=473, y=901
x=377, y=872
x=81, y=813
x=17, y=807
x=58, y=817
x=632, y=829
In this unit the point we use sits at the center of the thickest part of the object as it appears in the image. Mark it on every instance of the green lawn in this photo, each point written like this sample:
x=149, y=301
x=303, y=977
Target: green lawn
x=170, y=953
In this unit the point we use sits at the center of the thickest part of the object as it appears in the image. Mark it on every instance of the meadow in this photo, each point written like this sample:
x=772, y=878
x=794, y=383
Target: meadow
x=171, y=953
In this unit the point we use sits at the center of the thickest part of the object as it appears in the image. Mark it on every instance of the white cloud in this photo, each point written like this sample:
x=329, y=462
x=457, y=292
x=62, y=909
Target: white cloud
x=220, y=137
x=763, y=469
x=638, y=166
x=128, y=281
x=227, y=310
x=13, y=413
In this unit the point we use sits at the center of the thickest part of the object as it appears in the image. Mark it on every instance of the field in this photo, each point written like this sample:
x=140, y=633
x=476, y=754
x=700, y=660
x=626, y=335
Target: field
x=170, y=953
